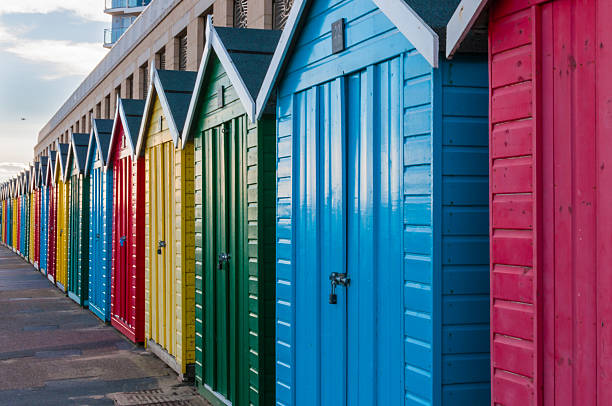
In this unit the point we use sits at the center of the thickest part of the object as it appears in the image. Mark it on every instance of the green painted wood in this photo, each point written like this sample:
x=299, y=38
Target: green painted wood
x=78, y=248
x=235, y=165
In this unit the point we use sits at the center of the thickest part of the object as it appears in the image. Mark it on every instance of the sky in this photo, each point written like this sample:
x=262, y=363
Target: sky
x=47, y=47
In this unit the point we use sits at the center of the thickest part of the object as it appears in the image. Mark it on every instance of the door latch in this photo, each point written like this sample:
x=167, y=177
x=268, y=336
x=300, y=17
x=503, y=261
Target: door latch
x=336, y=279
x=160, y=245
x=223, y=259
x=122, y=241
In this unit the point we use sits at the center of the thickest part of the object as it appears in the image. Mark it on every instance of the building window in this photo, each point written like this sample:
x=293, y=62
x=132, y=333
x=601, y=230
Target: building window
x=90, y=119
x=99, y=110
x=84, y=124
x=144, y=79
x=107, y=106
x=182, y=51
x=240, y=13
x=76, y=127
x=129, y=85
x=160, y=59
x=280, y=12
x=117, y=95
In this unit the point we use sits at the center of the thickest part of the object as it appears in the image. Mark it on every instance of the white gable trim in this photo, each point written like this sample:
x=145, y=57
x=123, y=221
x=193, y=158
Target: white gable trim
x=461, y=23
x=198, y=83
x=214, y=42
x=92, y=136
x=156, y=88
x=407, y=21
x=414, y=28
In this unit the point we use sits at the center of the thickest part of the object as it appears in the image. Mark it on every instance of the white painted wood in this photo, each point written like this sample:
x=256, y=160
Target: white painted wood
x=461, y=23
x=414, y=28
x=198, y=84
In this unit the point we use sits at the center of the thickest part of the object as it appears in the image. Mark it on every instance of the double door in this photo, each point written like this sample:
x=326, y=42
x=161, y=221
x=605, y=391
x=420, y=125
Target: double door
x=347, y=230
x=225, y=276
x=98, y=266
x=123, y=284
x=163, y=280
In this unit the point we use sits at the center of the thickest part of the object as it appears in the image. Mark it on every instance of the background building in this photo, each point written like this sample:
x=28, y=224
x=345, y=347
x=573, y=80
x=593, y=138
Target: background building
x=123, y=13
x=167, y=34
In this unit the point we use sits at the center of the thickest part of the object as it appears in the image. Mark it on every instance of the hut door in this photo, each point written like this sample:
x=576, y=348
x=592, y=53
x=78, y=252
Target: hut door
x=224, y=296
x=97, y=236
x=348, y=240
x=161, y=246
x=121, y=281
x=74, y=249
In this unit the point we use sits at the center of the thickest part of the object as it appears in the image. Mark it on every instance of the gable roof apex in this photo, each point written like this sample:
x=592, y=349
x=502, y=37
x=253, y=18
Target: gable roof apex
x=245, y=54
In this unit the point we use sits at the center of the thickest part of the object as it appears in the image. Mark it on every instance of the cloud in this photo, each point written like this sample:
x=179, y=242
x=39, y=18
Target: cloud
x=87, y=9
x=9, y=169
x=64, y=58
x=57, y=58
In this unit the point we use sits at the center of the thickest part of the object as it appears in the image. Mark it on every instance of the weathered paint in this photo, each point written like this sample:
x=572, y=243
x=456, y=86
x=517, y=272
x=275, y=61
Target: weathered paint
x=62, y=201
x=234, y=213
x=551, y=219
x=100, y=219
x=127, y=282
x=78, y=219
x=382, y=173
x=169, y=224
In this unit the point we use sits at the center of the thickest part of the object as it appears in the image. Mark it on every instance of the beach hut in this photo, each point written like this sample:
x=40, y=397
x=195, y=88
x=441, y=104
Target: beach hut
x=550, y=164
x=169, y=223
x=16, y=214
x=78, y=219
x=52, y=217
x=62, y=201
x=382, y=242
x=44, y=213
x=34, y=216
x=100, y=218
x=23, y=214
x=235, y=170
x=128, y=243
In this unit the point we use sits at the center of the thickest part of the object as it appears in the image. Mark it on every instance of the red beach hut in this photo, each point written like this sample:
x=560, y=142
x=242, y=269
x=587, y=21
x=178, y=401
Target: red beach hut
x=128, y=241
x=550, y=175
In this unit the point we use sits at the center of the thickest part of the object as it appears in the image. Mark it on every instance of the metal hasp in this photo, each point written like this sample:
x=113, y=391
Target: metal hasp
x=122, y=240
x=223, y=259
x=160, y=245
x=337, y=279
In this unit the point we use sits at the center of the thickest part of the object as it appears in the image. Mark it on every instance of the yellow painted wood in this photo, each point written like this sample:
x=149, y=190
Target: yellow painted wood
x=63, y=199
x=169, y=276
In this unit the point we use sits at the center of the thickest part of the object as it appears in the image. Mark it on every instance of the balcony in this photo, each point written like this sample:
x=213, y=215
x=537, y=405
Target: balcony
x=111, y=35
x=124, y=6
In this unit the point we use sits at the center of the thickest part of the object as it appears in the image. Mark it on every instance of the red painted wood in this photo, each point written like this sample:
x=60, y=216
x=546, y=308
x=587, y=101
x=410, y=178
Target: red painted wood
x=51, y=249
x=551, y=217
x=512, y=139
x=603, y=143
x=127, y=284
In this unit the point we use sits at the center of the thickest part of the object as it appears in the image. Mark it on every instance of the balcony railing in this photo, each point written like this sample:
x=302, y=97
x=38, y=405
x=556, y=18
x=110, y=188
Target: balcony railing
x=111, y=35
x=110, y=4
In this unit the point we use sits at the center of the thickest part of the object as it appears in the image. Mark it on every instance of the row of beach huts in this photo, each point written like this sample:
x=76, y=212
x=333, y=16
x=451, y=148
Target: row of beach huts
x=388, y=203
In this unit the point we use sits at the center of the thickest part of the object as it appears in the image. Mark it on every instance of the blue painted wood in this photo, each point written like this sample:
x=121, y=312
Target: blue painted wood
x=100, y=234
x=382, y=172
x=44, y=228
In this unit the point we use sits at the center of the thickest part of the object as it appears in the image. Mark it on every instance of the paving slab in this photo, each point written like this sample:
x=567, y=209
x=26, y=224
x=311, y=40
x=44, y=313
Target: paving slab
x=53, y=352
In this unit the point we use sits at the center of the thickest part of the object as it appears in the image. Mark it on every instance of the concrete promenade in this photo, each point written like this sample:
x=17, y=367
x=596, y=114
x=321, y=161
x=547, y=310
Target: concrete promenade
x=52, y=352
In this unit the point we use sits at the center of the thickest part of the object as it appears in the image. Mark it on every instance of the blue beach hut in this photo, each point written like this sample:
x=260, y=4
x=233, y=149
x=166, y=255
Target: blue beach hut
x=100, y=218
x=382, y=220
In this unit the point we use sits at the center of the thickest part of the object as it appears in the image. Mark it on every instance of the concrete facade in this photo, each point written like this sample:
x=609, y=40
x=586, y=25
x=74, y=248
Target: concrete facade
x=124, y=70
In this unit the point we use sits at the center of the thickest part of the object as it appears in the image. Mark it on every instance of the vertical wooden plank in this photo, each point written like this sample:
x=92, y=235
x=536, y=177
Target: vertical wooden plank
x=603, y=81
